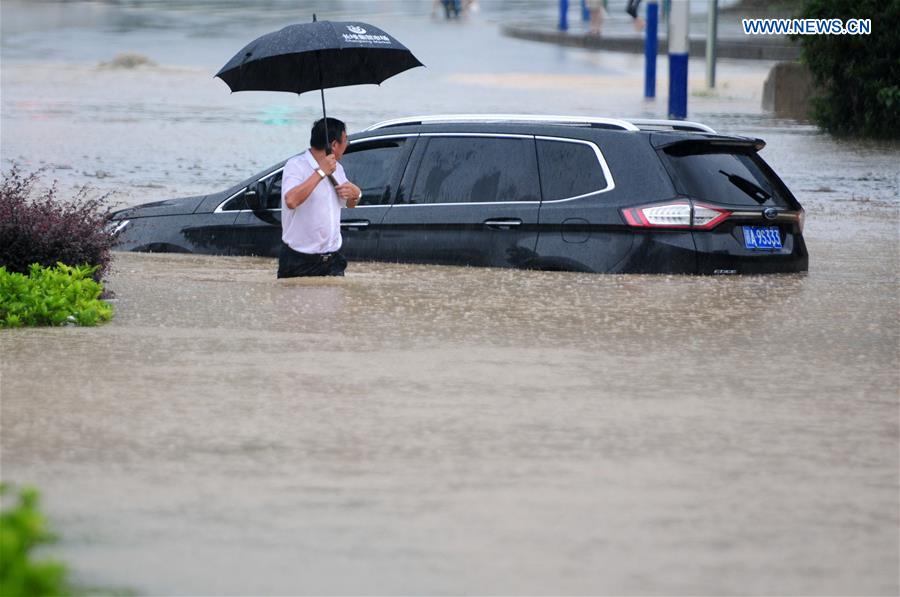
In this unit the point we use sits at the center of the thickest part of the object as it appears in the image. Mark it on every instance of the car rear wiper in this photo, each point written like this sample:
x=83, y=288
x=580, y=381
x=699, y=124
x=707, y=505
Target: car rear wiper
x=755, y=191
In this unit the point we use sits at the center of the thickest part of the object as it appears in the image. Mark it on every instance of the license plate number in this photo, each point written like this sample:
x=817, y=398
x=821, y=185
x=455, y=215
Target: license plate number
x=762, y=237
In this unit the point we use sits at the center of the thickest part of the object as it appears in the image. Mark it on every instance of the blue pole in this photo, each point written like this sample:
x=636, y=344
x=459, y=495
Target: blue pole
x=651, y=48
x=563, y=15
x=679, y=20
x=585, y=13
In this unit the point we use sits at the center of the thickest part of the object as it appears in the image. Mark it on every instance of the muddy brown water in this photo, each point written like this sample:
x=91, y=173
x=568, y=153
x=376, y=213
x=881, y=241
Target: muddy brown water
x=439, y=430
x=415, y=429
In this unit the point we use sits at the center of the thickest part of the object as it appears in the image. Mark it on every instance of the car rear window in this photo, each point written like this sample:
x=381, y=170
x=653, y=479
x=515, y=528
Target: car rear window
x=568, y=169
x=727, y=177
x=476, y=170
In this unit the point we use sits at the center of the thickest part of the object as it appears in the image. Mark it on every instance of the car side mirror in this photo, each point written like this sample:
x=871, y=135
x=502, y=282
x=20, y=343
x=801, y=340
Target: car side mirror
x=256, y=197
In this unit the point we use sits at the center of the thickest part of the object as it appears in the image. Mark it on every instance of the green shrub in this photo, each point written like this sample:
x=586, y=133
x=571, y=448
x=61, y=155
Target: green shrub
x=22, y=528
x=858, y=75
x=52, y=296
x=39, y=226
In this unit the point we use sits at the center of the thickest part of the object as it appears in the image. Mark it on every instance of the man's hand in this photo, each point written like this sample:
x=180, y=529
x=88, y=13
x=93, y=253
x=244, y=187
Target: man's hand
x=350, y=193
x=328, y=164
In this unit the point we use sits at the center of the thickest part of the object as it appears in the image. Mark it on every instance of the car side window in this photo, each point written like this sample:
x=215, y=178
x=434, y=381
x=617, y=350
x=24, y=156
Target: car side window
x=369, y=165
x=476, y=170
x=569, y=169
x=237, y=203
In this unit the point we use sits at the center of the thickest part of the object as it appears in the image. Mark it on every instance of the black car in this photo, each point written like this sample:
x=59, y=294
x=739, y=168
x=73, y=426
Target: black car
x=538, y=192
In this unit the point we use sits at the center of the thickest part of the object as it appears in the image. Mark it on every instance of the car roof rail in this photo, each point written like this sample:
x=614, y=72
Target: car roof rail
x=675, y=125
x=611, y=123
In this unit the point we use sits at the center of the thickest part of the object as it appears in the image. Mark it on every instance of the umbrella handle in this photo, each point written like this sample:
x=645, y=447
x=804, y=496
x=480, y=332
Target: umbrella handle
x=328, y=151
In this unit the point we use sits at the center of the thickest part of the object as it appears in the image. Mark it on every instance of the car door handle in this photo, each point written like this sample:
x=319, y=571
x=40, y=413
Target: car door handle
x=355, y=224
x=503, y=223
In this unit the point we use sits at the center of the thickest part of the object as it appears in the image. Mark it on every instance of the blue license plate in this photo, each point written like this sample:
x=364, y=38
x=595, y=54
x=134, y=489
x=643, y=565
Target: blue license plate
x=762, y=237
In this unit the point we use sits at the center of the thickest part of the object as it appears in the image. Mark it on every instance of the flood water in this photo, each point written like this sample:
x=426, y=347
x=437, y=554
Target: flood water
x=441, y=430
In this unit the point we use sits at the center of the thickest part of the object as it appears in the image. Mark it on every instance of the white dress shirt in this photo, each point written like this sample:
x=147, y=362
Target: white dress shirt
x=314, y=226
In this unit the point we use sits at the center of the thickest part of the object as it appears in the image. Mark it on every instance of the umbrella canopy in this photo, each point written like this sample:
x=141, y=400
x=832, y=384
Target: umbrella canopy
x=317, y=55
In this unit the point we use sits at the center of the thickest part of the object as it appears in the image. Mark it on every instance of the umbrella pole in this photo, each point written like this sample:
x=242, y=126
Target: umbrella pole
x=334, y=183
x=327, y=140
x=325, y=117
x=322, y=91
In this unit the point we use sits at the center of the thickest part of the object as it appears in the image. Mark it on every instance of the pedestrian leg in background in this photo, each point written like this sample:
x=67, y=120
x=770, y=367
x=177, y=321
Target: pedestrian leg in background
x=451, y=8
x=597, y=9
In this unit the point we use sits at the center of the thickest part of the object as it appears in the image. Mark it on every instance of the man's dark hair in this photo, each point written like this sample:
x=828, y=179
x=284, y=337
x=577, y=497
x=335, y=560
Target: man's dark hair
x=336, y=130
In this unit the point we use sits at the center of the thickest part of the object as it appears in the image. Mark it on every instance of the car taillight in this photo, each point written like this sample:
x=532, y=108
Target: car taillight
x=678, y=214
x=707, y=217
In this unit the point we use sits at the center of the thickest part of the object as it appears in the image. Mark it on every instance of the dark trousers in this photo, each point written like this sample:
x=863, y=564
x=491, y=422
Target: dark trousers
x=293, y=264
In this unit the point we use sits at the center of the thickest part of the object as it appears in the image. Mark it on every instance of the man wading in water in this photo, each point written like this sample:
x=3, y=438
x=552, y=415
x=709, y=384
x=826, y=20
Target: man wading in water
x=311, y=205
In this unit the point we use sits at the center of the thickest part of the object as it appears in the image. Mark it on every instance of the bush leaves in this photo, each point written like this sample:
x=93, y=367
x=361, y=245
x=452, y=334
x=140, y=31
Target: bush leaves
x=22, y=529
x=63, y=295
x=858, y=76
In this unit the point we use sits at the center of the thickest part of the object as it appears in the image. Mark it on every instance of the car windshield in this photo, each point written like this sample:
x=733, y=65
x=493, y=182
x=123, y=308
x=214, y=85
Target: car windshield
x=727, y=177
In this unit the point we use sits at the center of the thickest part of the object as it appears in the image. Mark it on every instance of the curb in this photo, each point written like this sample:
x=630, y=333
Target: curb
x=726, y=48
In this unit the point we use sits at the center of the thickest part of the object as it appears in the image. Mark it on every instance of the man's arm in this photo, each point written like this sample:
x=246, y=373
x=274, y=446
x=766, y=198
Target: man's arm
x=301, y=192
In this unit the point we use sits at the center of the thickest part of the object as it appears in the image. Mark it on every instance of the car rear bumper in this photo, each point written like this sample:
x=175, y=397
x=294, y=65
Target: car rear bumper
x=709, y=253
x=719, y=260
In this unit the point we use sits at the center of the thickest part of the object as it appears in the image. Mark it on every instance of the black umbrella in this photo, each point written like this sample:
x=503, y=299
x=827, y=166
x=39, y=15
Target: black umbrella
x=317, y=55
